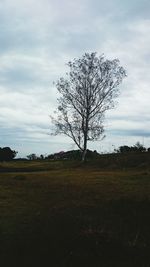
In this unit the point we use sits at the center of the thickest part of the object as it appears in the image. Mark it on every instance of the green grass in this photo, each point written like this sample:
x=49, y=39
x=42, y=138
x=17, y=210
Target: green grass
x=71, y=215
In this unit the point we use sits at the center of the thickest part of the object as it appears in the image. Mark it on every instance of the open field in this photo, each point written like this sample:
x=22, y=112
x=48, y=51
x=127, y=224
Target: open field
x=71, y=215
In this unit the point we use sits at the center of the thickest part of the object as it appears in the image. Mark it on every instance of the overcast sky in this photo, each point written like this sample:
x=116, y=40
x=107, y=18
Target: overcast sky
x=37, y=39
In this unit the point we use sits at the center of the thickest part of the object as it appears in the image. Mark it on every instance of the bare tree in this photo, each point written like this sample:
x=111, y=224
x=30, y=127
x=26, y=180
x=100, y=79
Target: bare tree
x=86, y=94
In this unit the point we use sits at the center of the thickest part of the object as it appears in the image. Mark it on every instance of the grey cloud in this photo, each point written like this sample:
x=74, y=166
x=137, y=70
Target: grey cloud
x=18, y=76
x=29, y=139
x=35, y=44
x=121, y=9
x=135, y=133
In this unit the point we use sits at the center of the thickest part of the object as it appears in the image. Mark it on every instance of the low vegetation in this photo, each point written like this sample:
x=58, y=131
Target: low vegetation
x=60, y=213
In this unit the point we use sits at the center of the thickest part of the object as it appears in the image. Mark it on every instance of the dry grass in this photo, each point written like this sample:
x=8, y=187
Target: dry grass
x=75, y=216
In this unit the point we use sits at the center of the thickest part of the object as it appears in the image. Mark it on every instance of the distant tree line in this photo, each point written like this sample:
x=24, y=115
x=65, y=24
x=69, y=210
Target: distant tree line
x=136, y=148
x=72, y=155
x=77, y=154
x=6, y=154
x=33, y=156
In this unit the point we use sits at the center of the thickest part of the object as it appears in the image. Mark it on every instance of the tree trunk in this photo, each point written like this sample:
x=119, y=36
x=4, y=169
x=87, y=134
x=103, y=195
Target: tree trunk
x=85, y=138
x=84, y=155
x=85, y=147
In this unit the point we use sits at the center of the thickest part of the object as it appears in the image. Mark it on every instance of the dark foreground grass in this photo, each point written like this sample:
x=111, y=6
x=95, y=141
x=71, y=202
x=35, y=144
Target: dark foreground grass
x=75, y=217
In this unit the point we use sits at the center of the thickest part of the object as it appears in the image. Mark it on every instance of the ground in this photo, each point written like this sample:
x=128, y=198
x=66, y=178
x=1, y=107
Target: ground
x=67, y=215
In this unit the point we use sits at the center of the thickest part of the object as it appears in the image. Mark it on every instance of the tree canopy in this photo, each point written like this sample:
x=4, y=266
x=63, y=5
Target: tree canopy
x=136, y=148
x=7, y=154
x=86, y=94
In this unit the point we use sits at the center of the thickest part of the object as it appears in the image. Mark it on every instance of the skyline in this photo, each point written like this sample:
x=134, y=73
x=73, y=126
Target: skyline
x=38, y=39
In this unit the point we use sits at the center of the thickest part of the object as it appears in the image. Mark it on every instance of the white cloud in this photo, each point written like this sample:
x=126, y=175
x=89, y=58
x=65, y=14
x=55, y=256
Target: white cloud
x=37, y=39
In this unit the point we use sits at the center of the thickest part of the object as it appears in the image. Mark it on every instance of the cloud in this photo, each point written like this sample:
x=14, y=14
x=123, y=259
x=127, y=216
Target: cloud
x=37, y=38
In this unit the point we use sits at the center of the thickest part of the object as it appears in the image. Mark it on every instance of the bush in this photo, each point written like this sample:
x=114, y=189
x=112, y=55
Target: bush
x=136, y=148
x=6, y=154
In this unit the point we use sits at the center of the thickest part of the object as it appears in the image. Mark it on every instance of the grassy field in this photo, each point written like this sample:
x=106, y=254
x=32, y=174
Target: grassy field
x=67, y=215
